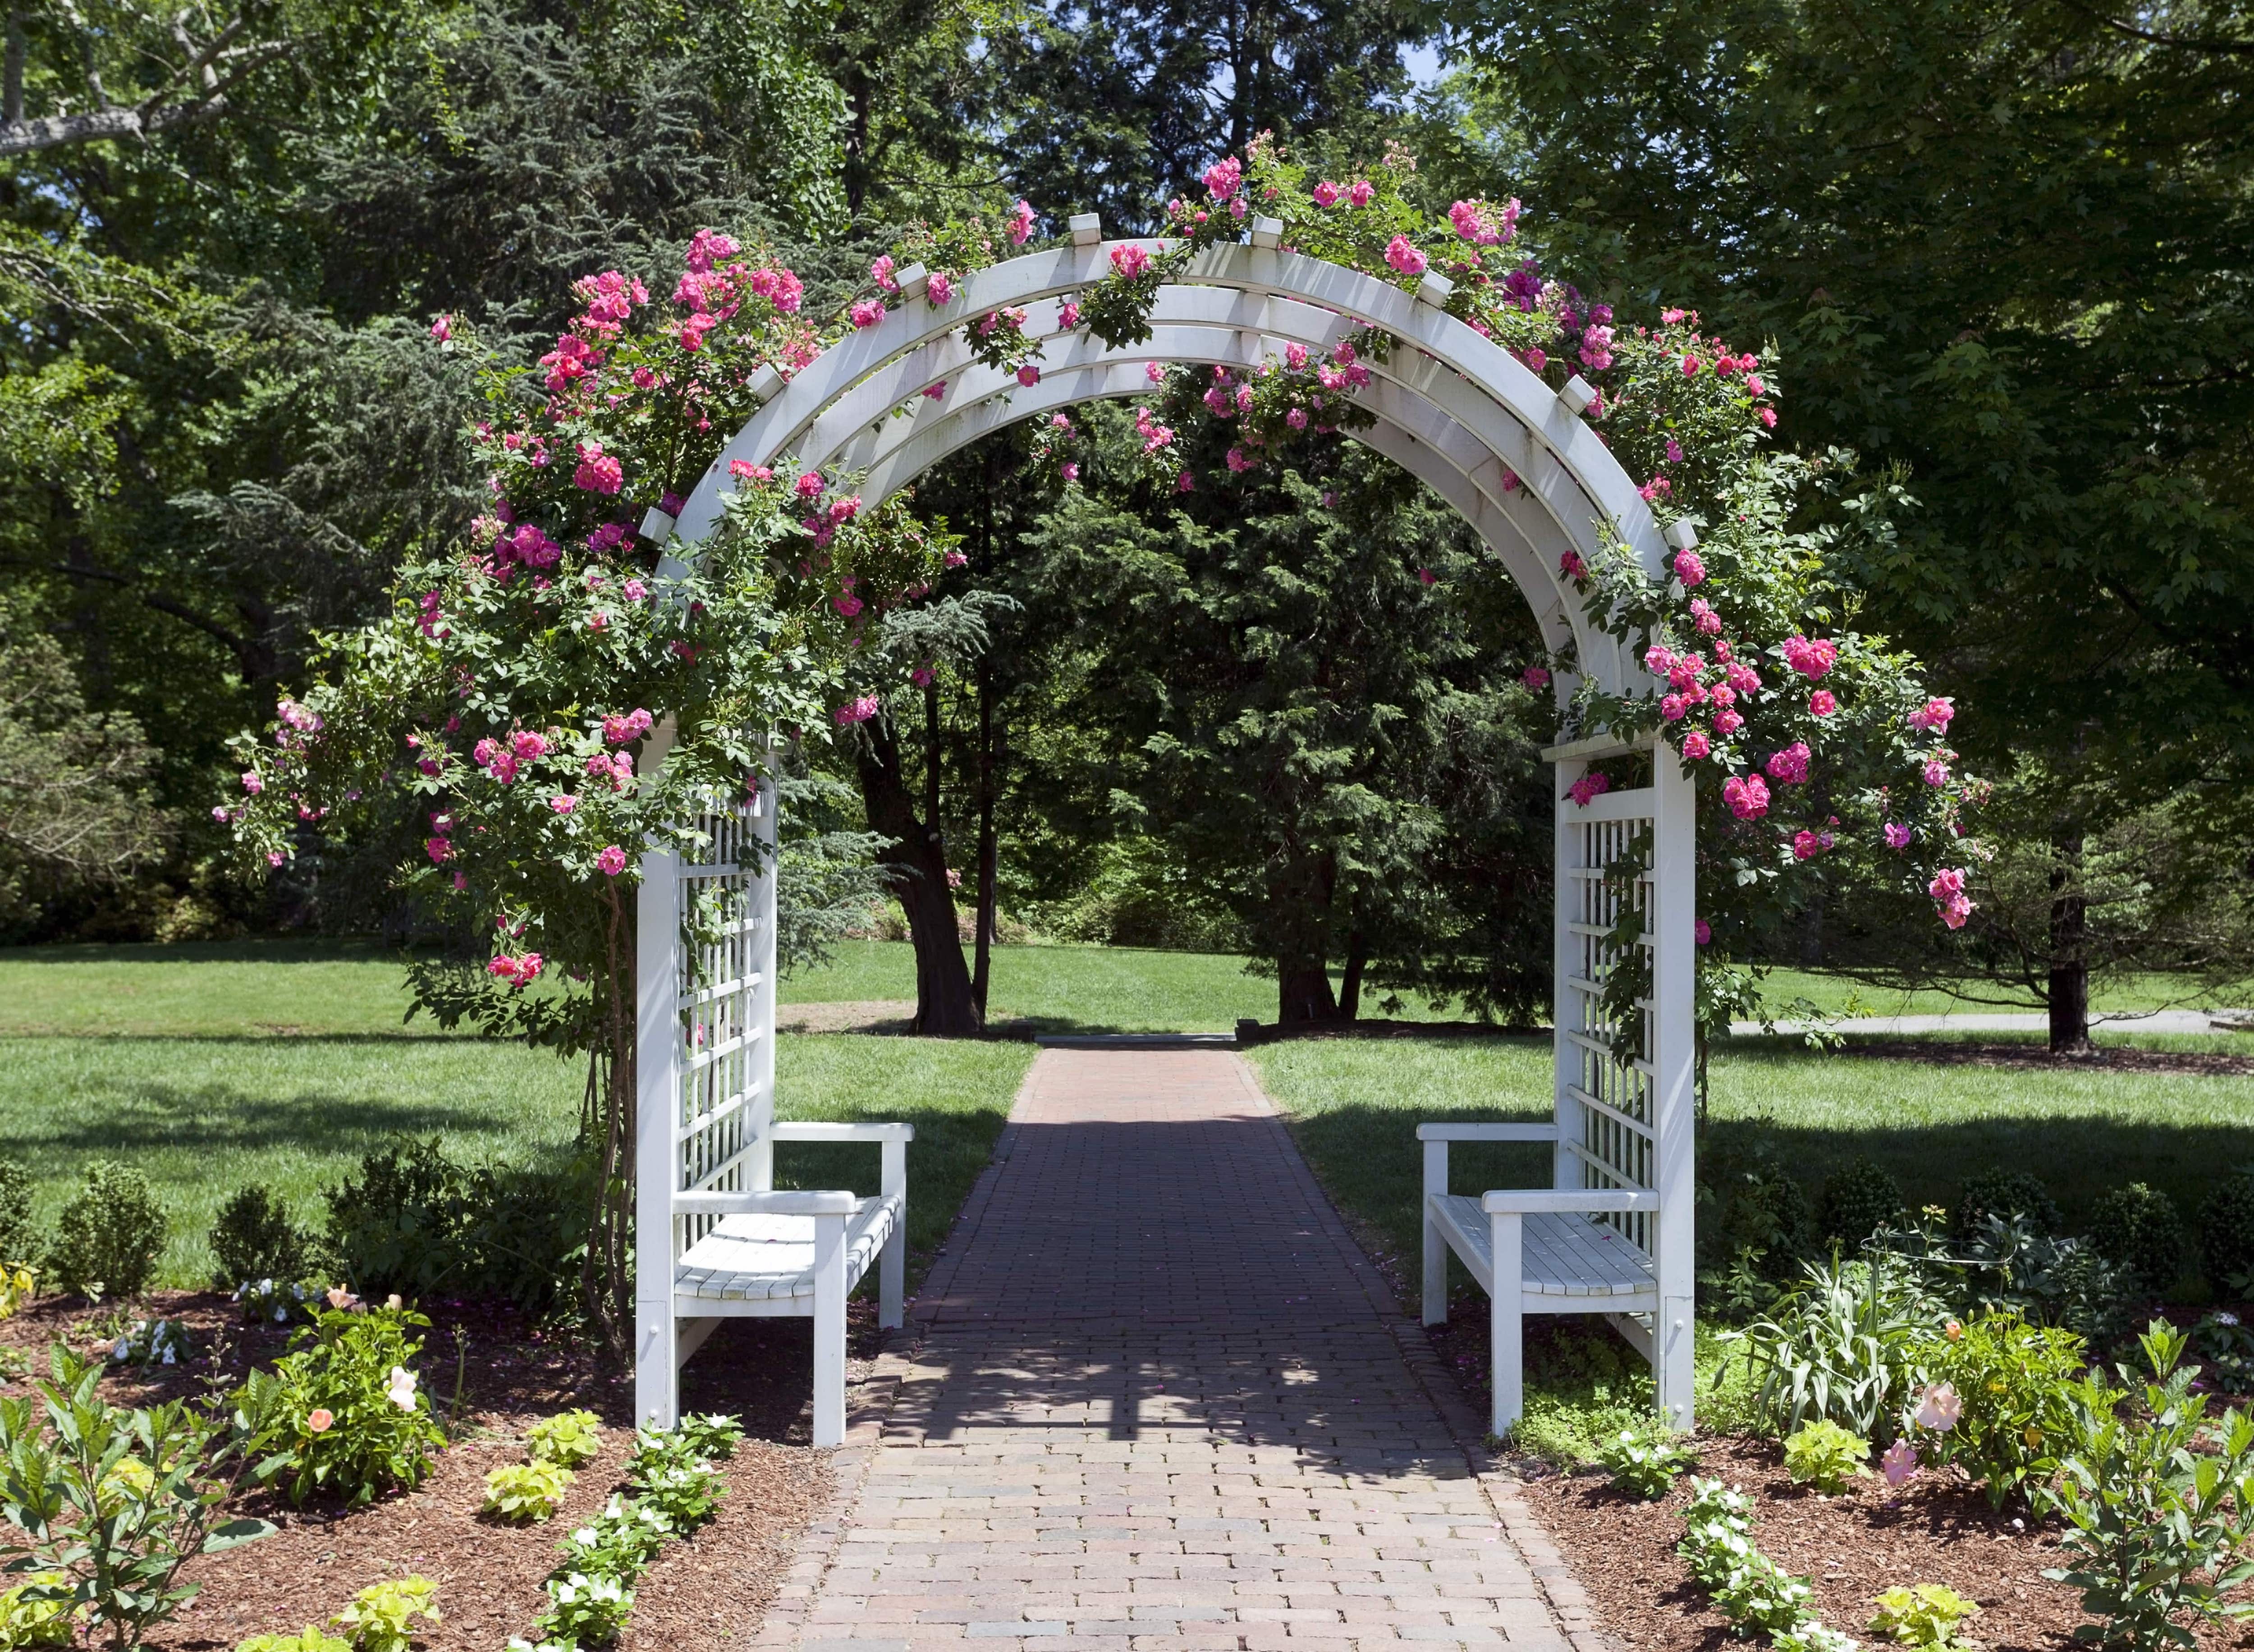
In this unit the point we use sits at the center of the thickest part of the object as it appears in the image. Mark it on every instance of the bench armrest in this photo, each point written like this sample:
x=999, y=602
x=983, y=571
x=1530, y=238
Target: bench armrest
x=1557, y=1201
x=821, y=1133
x=1487, y=1132
x=827, y=1203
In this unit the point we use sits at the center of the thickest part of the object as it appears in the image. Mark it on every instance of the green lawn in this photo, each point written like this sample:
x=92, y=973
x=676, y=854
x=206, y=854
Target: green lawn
x=210, y=1067
x=1354, y=1105
x=1835, y=995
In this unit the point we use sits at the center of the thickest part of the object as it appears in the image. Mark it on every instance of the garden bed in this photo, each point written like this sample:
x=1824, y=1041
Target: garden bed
x=508, y=1374
x=1938, y=1529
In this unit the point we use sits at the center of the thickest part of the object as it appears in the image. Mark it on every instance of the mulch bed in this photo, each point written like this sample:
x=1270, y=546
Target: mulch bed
x=508, y=1373
x=2109, y=1057
x=1938, y=1529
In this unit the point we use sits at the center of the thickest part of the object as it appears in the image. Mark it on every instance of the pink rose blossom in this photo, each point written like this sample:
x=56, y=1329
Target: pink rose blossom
x=1810, y=659
x=1695, y=746
x=1590, y=787
x=1934, y=716
x=1690, y=569
x=1747, y=797
x=1326, y=193
x=1703, y=932
x=1535, y=677
x=854, y=712
x=611, y=861
x=939, y=290
x=1130, y=261
x=1896, y=834
x=1068, y=317
x=1402, y=253
x=1789, y=765
x=1937, y=772
x=563, y=802
x=253, y=782
x=881, y=273
x=868, y=313
x=519, y=972
x=1222, y=177
x=1360, y=193
x=1029, y=376
x=1021, y=223
x=1821, y=702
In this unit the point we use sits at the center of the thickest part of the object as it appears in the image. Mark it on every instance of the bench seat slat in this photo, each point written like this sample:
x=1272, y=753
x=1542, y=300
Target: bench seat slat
x=1563, y=1255
x=752, y=1257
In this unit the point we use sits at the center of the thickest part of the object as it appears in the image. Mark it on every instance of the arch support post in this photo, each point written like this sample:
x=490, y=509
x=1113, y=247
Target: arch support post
x=657, y=1112
x=1674, y=1055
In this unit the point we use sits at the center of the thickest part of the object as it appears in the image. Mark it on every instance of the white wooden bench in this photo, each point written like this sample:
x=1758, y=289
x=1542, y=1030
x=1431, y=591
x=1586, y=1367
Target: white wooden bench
x=783, y=1254
x=1534, y=1250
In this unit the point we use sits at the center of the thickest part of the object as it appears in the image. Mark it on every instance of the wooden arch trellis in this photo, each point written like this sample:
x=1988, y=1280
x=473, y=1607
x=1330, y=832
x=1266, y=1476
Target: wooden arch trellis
x=1514, y=456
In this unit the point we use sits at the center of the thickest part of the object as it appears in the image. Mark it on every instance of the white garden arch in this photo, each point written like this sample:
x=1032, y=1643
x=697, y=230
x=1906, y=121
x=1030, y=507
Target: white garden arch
x=1510, y=454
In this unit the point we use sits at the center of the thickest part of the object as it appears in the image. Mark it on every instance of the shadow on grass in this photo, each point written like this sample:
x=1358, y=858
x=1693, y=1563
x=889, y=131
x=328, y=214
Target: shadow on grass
x=150, y=1117
x=311, y=949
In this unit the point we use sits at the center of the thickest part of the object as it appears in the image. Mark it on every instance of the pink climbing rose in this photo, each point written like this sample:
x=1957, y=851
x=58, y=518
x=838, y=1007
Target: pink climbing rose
x=1748, y=796
x=1696, y=747
x=611, y=861
x=1896, y=834
x=1810, y=658
x=1590, y=787
x=1535, y=677
x=868, y=313
x=1934, y=716
x=1821, y=702
x=1789, y=765
x=1948, y=892
x=519, y=972
x=1403, y=254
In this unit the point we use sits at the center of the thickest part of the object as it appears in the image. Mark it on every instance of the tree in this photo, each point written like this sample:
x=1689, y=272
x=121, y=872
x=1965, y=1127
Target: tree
x=2004, y=244
x=1304, y=709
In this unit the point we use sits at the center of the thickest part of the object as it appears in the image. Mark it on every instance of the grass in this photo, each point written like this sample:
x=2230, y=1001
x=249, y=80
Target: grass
x=1354, y=1106
x=211, y=1067
x=1835, y=995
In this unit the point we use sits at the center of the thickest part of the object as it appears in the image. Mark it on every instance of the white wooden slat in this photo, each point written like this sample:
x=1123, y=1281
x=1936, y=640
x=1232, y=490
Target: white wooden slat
x=1569, y=1256
x=758, y=1256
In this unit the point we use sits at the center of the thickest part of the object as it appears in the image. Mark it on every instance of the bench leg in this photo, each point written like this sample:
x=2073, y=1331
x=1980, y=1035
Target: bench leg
x=892, y=1277
x=829, y=1331
x=1508, y=1345
x=1436, y=1247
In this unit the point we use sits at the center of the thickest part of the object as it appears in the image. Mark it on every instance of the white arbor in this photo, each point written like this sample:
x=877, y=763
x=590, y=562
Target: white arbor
x=1514, y=456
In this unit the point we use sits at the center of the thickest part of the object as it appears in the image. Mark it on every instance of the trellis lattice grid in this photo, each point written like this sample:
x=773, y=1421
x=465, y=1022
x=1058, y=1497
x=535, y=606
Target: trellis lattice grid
x=1607, y=1105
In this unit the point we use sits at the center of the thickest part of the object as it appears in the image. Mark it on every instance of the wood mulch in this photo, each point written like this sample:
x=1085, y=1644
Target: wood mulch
x=1938, y=1529
x=490, y=1375
x=2112, y=1058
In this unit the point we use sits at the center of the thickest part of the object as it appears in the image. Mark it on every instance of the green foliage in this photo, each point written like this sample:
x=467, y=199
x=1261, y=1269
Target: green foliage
x=416, y=1222
x=568, y=1439
x=1645, y=1460
x=1859, y=1198
x=2159, y=1501
x=254, y=1239
x=528, y=1492
x=2057, y=1282
x=341, y=1414
x=1925, y=1614
x=28, y=1622
x=105, y=1505
x=2014, y=1380
x=711, y=1435
x=1749, y=1589
x=618, y=1542
x=2137, y=1227
x=672, y=1478
x=1844, y=1346
x=586, y=1611
x=2226, y=1232
x=108, y=1235
x=381, y=1617
x=1826, y=1456
x=307, y=1640
x=2005, y=1194
x=19, y=1242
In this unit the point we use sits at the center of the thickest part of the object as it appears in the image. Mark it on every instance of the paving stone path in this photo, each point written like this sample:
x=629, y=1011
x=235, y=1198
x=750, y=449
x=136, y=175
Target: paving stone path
x=1158, y=1399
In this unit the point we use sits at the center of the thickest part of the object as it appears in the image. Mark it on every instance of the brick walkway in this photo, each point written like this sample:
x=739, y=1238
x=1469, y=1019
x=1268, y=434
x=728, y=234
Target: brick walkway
x=1159, y=1399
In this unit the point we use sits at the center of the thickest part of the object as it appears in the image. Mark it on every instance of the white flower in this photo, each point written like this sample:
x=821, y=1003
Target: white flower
x=168, y=1354
x=123, y=1349
x=401, y=1391
x=2226, y=1318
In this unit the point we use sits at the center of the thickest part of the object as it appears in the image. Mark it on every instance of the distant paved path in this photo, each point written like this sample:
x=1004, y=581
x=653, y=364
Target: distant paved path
x=1160, y=1403
x=2011, y=1021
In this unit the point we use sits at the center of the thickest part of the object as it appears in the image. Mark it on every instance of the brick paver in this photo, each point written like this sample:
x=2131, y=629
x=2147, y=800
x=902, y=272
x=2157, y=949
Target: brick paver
x=1159, y=1400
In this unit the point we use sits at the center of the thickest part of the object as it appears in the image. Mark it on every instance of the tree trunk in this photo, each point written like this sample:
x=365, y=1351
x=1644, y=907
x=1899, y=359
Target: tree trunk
x=1357, y=957
x=944, y=1007
x=2069, y=992
x=1304, y=992
x=989, y=762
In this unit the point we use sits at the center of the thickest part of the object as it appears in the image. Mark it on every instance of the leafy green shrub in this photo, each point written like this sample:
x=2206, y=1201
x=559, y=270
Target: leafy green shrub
x=381, y=1617
x=569, y=1437
x=711, y=1435
x=19, y=1242
x=1923, y=1614
x=309, y=1640
x=583, y=1610
x=341, y=1413
x=673, y=1479
x=1824, y=1455
x=526, y=1491
x=2156, y=1499
x=1842, y=1346
x=619, y=1542
x=254, y=1238
x=2224, y=1347
x=1858, y=1199
x=2139, y=1228
x=2226, y=1232
x=1762, y=1223
x=2013, y=1380
x=415, y=1221
x=27, y=1622
x=107, y=1504
x=109, y=1236
x=275, y=1301
x=1645, y=1460
x=1749, y=1588
x=2061, y=1282
x=2003, y=1193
